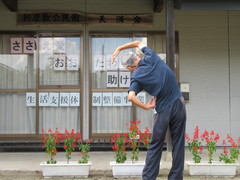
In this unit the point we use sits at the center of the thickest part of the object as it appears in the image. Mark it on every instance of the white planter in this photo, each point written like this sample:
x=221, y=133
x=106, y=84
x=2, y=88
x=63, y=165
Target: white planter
x=127, y=169
x=61, y=168
x=214, y=169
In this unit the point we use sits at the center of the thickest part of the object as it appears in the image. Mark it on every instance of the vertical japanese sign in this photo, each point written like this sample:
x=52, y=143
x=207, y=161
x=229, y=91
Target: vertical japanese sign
x=73, y=62
x=96, y=99
x=125, y=101
x=99, y=63
x=46, y=45
x=74, y=99
x=107, y=99
x=28, y=45
x=117, y=99
x=53, y=99
x=64, y=99
x=112, y=79
x=43, y=99
x=142, y=97
x=30, y=99
x=59, y=45
x=124, y=79
x=59, y=62
x=109, y=65
x=16, y=45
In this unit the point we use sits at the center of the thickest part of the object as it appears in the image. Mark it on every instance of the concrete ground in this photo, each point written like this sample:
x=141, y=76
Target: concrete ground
x=25, y=165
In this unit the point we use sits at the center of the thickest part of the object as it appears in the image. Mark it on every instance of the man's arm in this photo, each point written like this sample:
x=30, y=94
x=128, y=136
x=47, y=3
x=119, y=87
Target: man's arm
x=132, y=97
x=133, y=44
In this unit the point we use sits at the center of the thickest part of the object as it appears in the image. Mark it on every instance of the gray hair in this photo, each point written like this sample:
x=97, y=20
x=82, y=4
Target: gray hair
x=128, y=59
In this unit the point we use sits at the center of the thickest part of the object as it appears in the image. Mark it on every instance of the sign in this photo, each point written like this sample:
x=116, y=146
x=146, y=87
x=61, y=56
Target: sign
x=125, y=101
x=30, y=99
x=124, y=79
x=64, y=99
x=117, y=99
x=43, y=99
x=46, y=45
x=74, y=99
x=97, y=99
x=16, y=45
x=77, y=18
x=99, y=63
x=53, y=99
x=142, y=97
x=28, y=45
x=109, y=65
x=59, y=45
x=73, y=62
x=107, y=99
x=59, y=62
x=112, y=79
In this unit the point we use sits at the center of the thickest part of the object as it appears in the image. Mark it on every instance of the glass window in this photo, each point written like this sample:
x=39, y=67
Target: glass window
x=111, y=109
x=16, y=117
x=59, y=60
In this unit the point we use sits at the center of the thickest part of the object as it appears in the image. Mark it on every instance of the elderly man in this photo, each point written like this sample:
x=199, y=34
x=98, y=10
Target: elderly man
x=151, y=74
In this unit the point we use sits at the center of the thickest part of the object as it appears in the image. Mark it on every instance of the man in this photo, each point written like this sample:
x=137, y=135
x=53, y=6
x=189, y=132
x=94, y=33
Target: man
x=151, y=74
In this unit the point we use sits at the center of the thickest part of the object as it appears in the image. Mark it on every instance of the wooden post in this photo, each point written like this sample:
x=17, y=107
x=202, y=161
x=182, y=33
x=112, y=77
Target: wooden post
x=170, y=55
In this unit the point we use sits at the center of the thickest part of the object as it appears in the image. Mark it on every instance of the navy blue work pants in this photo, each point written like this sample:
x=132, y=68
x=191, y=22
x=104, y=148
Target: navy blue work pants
x=173, y=117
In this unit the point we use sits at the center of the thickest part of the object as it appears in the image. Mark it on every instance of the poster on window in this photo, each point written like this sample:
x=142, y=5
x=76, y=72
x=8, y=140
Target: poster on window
x=74, y=99
x=107, y=99
x=163, y=57
x=43, y=99
x=64, y=99
x=46, y=45
x=124, y=78
x=59, y=62
x=73, y=62
x=28, y=45
x=96, y=99
x=16, y=45
x=30, y=99
x=117, y=99
x=59, y=45
x=53, y=99
x=125, y=101
x=142, y=97
x=112, y=79
x=99, y=63
x=109, y=65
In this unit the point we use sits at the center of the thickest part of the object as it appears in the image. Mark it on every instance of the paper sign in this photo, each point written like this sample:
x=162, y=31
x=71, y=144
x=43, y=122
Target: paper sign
x=74, y=99
x=30, y=99
x=73, y=62
x=64, y=99
x=142, y=97
x=16, y=45
x=125, y=101
x=43, y=99
x=97, y=99
x=107, y=99
x=99, y=63
x=53, y=99
x=109, y=65
x=59, y=45
x=112, y=79
x=28, y=45
x=124, y=79
x=117, y=99
x=59, y=62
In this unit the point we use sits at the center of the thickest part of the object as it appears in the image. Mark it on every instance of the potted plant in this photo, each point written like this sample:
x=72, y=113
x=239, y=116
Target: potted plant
x=122, y=168
x=68, y=168
x=210, y=167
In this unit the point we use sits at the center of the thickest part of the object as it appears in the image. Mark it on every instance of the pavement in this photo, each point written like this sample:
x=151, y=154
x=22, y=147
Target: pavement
x=25, y=165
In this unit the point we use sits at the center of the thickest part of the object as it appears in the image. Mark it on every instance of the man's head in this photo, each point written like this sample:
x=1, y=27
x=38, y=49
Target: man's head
x=130, y=60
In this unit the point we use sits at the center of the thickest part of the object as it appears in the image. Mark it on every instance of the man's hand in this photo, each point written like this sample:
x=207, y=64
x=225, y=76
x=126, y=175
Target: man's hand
x=115, y=54
x=152, y=103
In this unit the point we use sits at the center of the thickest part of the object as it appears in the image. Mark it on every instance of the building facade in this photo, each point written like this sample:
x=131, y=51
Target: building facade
x=55, y=69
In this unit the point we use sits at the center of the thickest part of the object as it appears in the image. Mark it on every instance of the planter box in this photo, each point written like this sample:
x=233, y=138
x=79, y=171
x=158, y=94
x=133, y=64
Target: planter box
x=61, y=168
x=214, y=169
x=127, y=169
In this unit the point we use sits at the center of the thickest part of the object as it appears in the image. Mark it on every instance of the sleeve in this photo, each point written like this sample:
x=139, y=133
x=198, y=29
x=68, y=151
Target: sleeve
x=135, y=86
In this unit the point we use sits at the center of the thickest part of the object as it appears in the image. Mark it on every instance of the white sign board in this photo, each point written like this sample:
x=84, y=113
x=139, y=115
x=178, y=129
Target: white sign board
x=124, y=79
x=64, y=99
x=107, y=99
x=53, y=99
x=142, y=97
x=99, y=63
x=97, y=99
x=112, y=79
x=16, y=45
x=73, y=62
x=59, y=62
x=43, y=99
x=109, y=65
x=30, y=99
x=46, y=45
x=59, y=45
x=117, y=99
x=74, y=99
x=28, y=45
x=125, y=101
